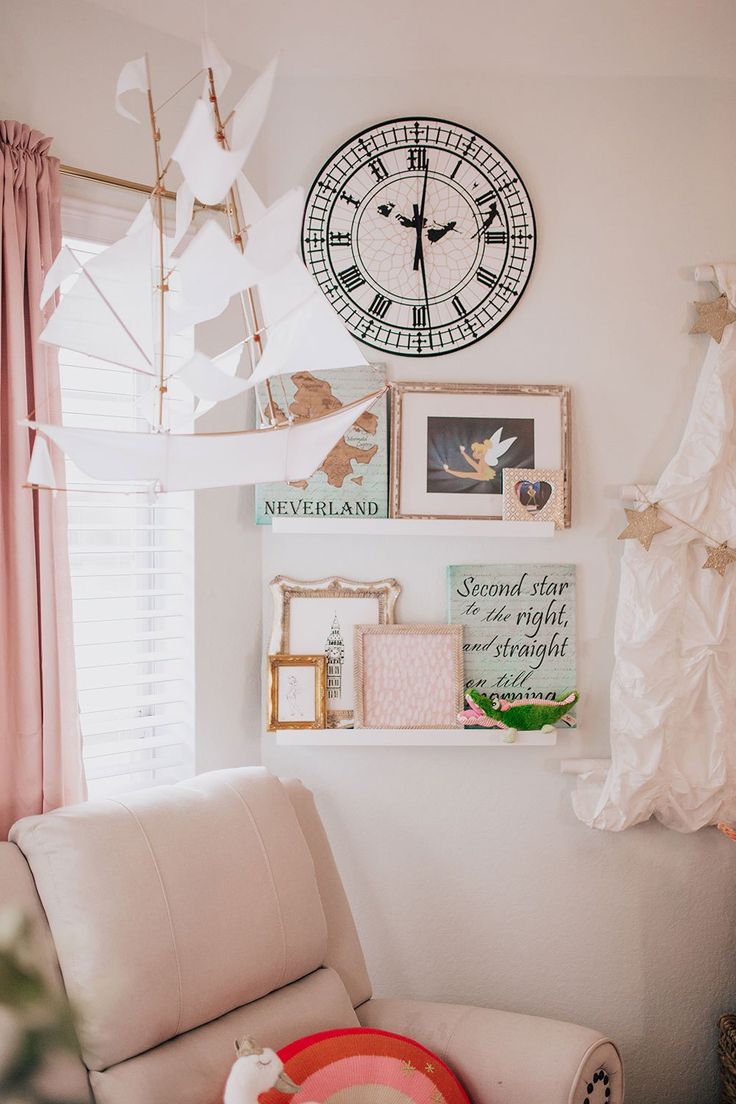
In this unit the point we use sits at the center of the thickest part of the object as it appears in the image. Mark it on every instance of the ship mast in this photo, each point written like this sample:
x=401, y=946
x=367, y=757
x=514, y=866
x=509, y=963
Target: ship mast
x=236, y=222
x=162, y=285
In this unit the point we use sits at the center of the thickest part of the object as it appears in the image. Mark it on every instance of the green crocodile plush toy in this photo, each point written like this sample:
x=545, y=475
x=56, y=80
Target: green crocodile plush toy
x=528, y=714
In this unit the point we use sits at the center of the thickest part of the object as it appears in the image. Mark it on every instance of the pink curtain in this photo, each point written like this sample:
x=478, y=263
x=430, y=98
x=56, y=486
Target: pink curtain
x=40, y=744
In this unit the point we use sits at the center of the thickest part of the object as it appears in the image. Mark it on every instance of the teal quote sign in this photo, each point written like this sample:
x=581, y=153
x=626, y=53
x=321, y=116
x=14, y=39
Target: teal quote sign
x=519, y=627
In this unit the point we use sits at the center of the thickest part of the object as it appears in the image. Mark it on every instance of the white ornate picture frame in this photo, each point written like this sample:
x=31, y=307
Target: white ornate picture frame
x=408, y=676
x=534, y=494
x=318, y=616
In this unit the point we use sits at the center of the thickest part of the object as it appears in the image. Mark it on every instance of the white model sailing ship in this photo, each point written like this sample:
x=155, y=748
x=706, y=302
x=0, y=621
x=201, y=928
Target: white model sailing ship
x=126, y=305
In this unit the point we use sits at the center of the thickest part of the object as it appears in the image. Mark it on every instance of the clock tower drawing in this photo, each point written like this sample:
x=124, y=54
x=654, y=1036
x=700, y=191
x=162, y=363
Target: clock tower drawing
x=335, y=652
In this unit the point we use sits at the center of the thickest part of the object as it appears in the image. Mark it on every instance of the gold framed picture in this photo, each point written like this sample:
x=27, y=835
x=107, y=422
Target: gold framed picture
x=317, y=617
x=450, y=443
x=408, y=676
x=297, y=692
x=534, y=494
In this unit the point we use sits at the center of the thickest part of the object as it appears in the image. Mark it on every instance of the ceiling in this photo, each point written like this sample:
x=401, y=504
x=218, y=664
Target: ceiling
x=346, y=38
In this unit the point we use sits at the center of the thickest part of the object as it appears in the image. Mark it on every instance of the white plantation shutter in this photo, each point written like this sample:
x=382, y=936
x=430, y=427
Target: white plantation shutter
x=132, y=581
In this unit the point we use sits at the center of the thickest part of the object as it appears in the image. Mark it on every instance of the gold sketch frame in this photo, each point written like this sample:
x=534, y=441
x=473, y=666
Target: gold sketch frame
x=284, y=589
x=399, y=389
x=275, y=664
x=361, y=631
x=553, y=510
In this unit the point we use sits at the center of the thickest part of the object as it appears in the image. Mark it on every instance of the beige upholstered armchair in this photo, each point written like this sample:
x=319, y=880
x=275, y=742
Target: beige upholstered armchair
x=185, y=916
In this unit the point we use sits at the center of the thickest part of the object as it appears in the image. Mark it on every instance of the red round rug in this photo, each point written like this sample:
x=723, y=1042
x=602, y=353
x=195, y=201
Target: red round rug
x=364, y=1066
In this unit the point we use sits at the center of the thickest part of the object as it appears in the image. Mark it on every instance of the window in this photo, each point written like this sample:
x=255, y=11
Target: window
x=131, y=560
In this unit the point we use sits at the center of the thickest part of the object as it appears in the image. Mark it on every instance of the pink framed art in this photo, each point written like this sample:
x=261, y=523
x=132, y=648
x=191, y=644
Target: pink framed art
x=408, y=676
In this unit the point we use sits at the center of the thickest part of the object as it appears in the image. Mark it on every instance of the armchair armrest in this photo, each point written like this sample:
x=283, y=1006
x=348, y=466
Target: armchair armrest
x=506, y=1058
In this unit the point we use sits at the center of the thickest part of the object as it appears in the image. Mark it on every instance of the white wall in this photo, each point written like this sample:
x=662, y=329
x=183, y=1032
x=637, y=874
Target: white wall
x=470, y=877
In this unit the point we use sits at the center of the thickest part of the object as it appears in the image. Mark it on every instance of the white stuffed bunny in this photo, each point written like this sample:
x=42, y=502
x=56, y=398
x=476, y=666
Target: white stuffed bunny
x=255, y=1071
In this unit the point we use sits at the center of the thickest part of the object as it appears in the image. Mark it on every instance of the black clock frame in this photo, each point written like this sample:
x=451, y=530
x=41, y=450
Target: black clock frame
x=442, y=122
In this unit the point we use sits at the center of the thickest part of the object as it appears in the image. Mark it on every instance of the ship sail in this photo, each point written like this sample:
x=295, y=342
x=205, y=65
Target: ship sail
x=209, y=170
x=108, y=312
x=181, y=461
x=312, y=338
x=133, y=78
x=248, y=115
x=124, y=304
x=209, y=272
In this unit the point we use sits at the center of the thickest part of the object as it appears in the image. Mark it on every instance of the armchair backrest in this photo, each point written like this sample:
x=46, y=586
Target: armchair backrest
x=186, y=915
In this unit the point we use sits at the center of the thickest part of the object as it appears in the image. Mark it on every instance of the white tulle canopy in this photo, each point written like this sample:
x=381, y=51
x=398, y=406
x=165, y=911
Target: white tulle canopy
x=673, y=691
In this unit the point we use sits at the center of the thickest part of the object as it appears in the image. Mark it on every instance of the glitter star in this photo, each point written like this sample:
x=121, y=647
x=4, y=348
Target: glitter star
x=408, y=1068
x=429, y=1068
x=713, y=317
x=719, y=558
x=643, y=525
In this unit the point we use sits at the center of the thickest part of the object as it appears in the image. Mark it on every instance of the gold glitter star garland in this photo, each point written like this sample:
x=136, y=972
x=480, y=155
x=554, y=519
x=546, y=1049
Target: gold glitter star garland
x=713, y=317
x=644, y=525
x=720, y=558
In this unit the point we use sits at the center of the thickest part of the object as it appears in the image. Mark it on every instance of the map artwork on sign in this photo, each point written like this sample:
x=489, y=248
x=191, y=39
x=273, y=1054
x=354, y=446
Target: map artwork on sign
x=518, y=627
x=353, y=478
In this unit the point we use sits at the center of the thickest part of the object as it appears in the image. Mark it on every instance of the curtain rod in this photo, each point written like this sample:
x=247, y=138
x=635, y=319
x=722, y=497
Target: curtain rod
x=130, y=185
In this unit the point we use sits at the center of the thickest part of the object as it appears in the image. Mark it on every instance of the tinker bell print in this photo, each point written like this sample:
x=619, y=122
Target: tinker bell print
x=486, y=455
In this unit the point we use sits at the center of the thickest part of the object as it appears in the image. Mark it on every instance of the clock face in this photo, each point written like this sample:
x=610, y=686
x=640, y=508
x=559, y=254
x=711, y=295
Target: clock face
x=421, y=235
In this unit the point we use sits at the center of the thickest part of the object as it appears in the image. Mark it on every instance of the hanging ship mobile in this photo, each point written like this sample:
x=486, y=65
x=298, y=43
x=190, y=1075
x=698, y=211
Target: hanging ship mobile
x=128, y=304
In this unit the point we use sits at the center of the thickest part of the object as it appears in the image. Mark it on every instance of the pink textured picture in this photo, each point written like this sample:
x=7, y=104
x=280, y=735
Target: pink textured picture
x=408, y=676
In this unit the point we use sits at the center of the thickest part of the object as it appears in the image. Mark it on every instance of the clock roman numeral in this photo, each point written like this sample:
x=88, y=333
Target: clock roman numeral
x=488, y=279
x=340, y=237
x=418, y=317
x=459, y=306
x=481, y=199
x=378, y=168
x=417, y=158
x=350, y=199
x=351, y=278
x=495, y=237
x=379, y=306
x=454, y=172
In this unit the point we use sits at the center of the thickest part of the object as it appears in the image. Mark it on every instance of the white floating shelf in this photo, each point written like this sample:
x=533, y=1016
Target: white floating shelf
x=404, y=527
x=410, y=737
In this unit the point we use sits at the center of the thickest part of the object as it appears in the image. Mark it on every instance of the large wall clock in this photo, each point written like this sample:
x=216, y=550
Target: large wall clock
x=421, y=234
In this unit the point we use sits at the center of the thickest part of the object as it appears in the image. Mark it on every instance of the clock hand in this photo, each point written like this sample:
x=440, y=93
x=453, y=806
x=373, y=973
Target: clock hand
x=416, y=222
x=419, y=214
x=426, y=297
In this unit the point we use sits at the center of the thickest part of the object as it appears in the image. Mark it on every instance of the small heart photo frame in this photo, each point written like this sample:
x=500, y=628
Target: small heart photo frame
x=534, y=494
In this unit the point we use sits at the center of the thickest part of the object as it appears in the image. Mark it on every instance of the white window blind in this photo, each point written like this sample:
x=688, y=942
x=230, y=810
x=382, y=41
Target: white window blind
x=131, y=558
